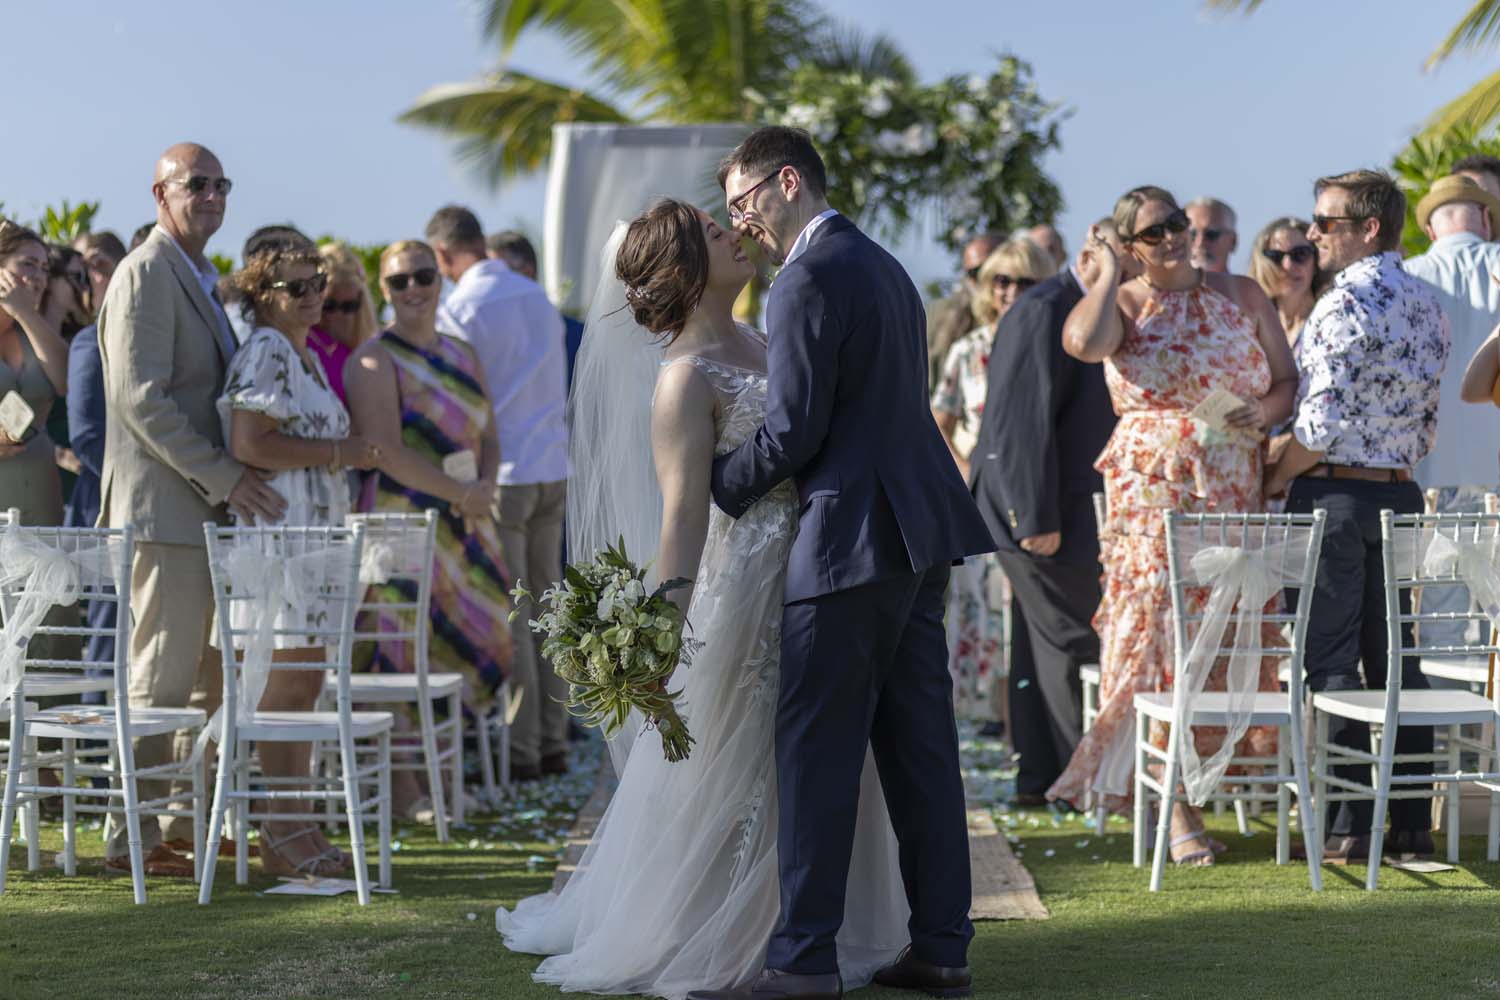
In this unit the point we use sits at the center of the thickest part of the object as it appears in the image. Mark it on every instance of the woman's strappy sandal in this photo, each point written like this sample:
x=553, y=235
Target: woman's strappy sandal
x=324, y=864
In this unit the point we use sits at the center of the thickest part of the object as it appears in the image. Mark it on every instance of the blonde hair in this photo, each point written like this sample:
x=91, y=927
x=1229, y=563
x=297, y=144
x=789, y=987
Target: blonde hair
x=1017, y=257
x=342, y=265
x=402, y=246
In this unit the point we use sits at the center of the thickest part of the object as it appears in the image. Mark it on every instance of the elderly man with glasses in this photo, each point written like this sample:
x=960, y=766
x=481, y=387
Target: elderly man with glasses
x=1212, y=233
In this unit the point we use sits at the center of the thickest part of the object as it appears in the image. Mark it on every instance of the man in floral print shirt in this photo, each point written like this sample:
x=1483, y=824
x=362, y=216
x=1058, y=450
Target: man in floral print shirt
x=1371, y=360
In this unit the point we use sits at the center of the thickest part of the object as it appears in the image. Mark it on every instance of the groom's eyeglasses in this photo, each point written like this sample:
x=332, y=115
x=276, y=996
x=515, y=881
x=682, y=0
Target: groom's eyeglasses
x=737, y=207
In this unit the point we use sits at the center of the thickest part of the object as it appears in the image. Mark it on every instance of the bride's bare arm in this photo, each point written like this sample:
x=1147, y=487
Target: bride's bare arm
x=682, y=440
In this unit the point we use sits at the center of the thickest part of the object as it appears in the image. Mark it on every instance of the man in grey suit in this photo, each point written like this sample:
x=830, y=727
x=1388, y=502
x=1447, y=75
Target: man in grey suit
x=165, y=344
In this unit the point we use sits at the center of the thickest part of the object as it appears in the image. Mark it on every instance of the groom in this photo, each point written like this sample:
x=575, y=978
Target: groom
x=884, y=513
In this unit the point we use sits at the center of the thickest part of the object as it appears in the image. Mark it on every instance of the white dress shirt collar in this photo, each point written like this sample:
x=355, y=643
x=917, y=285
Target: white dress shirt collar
x=206, y=273
x=805, y=237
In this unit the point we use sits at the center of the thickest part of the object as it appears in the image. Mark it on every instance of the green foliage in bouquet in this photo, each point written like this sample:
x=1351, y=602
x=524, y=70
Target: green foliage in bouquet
x=616, y=644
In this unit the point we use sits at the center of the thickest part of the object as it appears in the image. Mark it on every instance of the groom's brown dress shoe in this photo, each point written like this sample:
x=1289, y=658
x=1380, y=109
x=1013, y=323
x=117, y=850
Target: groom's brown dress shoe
x=909, y=972
x=773, y=984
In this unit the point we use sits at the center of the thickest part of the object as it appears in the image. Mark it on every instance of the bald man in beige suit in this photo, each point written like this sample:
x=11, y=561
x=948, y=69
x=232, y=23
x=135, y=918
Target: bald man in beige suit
x=165, y=344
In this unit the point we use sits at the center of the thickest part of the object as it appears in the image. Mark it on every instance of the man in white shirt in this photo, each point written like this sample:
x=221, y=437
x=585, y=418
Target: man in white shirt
x=518, y=337
x=1462, y=265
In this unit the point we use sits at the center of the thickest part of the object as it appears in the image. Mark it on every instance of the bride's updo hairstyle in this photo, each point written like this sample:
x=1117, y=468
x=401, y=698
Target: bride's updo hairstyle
x=663, y=264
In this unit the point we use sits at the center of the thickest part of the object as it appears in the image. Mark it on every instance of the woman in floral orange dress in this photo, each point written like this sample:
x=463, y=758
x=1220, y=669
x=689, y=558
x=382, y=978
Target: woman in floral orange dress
x=1168, y=339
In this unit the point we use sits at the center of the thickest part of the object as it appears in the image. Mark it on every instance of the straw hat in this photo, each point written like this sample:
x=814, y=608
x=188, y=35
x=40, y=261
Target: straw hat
x=1457, y=187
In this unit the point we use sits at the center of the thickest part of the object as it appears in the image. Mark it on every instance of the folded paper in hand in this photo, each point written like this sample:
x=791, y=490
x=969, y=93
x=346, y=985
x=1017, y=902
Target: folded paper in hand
x=461, y=465
x=16, y=415
x=1215, y=409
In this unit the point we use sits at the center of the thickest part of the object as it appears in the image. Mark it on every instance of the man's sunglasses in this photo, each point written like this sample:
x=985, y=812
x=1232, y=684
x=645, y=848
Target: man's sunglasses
x=198, y=183
x=348, y=308
x=1299, y=255
x=1213, y=235
x=1175, y=223
x=1006, y=281
x=423, y=276
x=1325, y=223
x=299, y=288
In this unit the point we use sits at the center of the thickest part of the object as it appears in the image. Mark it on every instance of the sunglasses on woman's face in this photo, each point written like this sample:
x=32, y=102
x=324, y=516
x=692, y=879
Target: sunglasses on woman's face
x=1175, y=223
x=1299, y=255
x=1004, y=281
x=348, y=308
x=299, y=288
x=423, y=276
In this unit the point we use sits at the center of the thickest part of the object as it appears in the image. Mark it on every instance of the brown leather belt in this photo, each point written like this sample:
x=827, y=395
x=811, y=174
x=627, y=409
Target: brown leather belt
x=1329, y=470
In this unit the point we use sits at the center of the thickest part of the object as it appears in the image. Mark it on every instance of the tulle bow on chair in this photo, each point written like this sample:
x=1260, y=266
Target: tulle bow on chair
x=1243, y=580
x=45, y=576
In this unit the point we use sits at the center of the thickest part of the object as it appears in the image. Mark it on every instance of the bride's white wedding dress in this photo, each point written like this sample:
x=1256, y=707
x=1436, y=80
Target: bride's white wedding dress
x=678, y=890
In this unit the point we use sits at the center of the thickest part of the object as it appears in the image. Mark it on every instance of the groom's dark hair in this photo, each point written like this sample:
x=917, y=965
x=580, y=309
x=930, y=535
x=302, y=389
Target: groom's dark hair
x=769, y=149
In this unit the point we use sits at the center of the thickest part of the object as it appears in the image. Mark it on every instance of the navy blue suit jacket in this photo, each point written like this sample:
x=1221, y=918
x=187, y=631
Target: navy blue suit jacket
x=847, y=418
x=1047, y=416
x=85, y=425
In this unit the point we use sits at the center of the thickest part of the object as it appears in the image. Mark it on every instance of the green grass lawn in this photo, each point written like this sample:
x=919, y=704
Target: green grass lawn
x=1245, y=928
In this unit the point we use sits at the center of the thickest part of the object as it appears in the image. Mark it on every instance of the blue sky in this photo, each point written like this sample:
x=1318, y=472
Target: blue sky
x=299, y=100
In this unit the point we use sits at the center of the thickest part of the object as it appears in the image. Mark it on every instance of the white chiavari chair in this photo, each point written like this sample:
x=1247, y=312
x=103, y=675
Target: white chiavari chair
x=1243, y=560
x=397, y=559
x=301, y=585
x=41, y=568
x=1427, y=552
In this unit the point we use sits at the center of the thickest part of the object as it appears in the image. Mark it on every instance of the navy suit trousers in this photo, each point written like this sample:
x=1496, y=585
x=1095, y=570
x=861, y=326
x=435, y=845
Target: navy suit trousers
x=868, y=667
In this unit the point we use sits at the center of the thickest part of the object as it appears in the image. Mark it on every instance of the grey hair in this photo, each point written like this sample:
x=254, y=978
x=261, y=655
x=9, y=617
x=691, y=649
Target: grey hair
x=1217, y=207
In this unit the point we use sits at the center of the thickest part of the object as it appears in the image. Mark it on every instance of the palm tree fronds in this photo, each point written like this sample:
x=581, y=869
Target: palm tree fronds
x=846, y=49
x=505, y=121
x=1473, y=110
x=1233, y=6
x=1480, y=28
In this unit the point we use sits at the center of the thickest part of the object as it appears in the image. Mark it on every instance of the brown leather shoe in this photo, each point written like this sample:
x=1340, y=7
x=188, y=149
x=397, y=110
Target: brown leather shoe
x=555, y=763
x=160, y=861
x=1342, y=850
x=773, y=984
x=226, y=847
x=909, y=972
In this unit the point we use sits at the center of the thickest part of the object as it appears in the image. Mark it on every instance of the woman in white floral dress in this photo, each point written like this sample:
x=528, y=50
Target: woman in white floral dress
x=978, y=592
x=279, y=414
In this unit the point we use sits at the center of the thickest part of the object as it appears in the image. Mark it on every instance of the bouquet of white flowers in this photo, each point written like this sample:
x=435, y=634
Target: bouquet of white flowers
x=616, y=644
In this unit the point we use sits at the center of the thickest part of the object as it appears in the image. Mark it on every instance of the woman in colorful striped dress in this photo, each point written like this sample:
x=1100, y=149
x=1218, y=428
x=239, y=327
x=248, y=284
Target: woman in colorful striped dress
x=420, y=395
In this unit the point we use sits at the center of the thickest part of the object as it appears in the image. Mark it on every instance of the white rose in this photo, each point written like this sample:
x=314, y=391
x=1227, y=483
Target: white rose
x=977, y=85
x=877, y=104
x=965, y=113
x=800, y=115
x=890, y=142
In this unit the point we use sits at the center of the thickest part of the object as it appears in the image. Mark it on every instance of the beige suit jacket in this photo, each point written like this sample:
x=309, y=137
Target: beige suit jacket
x=164, y=358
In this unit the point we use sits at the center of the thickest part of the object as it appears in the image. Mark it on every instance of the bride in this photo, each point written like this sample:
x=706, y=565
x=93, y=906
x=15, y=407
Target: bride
x=678, y=890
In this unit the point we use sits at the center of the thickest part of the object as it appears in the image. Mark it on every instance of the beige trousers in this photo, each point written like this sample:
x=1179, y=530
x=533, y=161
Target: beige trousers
x=172, y=665
x=530, y=521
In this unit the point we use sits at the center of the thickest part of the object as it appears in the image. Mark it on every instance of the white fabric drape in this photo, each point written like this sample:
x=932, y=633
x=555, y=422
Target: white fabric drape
x=1476, y=561
x=1242, y=580
x=45, y=576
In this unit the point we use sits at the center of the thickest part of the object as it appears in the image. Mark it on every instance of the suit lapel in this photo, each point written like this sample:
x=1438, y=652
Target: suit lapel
x=212, y=315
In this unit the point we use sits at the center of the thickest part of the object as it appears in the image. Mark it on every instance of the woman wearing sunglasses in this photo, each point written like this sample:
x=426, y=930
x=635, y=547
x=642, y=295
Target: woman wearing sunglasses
x=1285, y=265
x=348, y=318
x=975, y=623
x=1168, y=339
x=420, y=394
x=280, y=414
